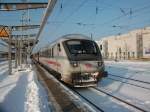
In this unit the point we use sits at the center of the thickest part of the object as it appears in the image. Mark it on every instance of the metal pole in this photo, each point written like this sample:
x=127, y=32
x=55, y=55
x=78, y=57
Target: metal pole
x=16, y=53
x=9, y=53
x=20, y=51
x=91, y=36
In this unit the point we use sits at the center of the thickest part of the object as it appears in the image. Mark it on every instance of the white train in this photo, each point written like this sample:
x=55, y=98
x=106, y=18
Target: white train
x=75, y=59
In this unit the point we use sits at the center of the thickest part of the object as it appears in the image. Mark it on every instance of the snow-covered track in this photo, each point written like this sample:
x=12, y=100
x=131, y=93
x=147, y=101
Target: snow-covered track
x=128, y=83
x=86, y=99
x=119, y=99
x=129, y=79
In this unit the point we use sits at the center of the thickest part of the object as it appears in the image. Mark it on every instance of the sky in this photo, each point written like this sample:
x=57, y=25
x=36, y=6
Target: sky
x=96, y=18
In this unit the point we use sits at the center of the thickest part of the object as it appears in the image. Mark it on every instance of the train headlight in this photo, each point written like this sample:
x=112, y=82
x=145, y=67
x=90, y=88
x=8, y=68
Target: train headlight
x=74, y=63
x=100, y=63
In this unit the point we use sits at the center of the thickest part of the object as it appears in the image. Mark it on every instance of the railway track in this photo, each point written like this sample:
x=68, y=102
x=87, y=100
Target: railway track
x=86, y=99
x=145, y=82
x=110, y=95
x=63, y=99
x=119, y=99
x=129, y=83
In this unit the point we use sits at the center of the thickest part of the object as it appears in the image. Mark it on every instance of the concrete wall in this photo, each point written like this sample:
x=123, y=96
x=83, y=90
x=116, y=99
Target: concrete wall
x=133, y=45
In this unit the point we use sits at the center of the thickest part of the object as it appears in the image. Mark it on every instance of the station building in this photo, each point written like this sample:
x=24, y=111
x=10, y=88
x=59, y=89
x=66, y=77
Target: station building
x=132, y=45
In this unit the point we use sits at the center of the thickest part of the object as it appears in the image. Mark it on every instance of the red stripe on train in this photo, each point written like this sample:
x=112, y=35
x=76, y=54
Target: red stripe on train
x=53, y=63
x=87, y=65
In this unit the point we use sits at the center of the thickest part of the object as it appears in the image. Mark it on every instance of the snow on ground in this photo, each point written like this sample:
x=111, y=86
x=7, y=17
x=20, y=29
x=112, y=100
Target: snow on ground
x=106, y=103
x=21, y=92
x=135, y=70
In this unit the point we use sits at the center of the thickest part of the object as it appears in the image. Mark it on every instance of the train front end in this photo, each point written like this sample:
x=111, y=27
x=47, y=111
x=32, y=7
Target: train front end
x=86, y=63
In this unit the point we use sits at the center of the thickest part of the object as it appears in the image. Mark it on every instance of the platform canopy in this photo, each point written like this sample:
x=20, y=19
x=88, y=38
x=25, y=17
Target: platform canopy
x=24, y=36
x=24, y=27
x=5, y=29
x=21, y=6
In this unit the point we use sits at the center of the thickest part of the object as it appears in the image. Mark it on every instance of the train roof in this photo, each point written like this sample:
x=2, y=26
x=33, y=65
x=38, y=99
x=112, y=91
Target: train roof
x=75, y=36
x=67, y=37
x=71, y=36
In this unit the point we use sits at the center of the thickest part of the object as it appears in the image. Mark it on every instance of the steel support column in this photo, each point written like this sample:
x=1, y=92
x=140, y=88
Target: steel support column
x=16, y=53
x=9, y=53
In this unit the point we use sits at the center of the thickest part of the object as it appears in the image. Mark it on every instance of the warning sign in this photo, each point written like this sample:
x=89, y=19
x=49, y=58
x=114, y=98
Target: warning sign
x=4, y=32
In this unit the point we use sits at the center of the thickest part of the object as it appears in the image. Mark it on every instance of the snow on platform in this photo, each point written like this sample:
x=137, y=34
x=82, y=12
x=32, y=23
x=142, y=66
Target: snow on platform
x=21, y=92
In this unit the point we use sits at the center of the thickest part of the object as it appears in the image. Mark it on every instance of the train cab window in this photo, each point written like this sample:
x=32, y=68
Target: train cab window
x=58, y=47
x=81, y=47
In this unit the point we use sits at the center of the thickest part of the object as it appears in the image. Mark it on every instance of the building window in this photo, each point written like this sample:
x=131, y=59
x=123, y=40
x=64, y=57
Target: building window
x=133, y=54
x=124, y=55
x=112, y=55
x=120, y=50
x=116, y=54
x=108, y=54
x=128, y=54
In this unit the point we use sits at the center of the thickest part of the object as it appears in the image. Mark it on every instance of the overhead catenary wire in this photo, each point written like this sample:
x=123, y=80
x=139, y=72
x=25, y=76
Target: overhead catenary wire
x=70, y=15
x=131, y=12
x=128, y=13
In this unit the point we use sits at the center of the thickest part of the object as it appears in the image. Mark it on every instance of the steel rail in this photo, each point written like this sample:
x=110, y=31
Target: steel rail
x=119, y=99
x=130, y=79
x=128, y=83
x=88, y=100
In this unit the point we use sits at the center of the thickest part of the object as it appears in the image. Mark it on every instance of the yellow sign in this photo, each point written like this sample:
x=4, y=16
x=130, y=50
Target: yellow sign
x=4, y=32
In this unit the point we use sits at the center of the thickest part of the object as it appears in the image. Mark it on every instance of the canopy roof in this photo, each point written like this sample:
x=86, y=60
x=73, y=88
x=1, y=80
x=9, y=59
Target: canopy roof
x=21, y=6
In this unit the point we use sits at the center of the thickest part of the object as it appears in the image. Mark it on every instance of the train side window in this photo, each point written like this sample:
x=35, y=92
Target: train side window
x=58, y=47
x=46, y=53
x=52, y=52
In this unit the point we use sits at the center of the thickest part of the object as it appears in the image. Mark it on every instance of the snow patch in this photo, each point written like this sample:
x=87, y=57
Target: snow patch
x=36, y=98
x=32, y=103
x=32, y=96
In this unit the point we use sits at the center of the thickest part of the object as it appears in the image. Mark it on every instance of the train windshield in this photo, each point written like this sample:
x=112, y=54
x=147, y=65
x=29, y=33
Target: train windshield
x=82, y=47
